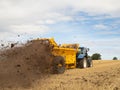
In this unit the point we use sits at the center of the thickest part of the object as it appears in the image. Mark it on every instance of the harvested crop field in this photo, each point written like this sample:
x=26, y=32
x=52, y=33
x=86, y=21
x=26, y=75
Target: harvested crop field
x=27, y=68
x=104, y=75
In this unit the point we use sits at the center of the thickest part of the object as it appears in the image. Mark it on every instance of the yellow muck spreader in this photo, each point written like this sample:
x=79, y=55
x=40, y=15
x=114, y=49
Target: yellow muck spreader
x=68, y=56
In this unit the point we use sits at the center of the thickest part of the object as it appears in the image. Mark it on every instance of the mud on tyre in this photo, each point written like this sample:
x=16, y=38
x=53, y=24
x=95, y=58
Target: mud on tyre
x=58, y=65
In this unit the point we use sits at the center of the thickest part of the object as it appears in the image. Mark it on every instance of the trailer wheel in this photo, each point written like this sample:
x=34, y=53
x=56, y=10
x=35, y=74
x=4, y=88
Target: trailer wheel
x=58, y=65
x=83, y=63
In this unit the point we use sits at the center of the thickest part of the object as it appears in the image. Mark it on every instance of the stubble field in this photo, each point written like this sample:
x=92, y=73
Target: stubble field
x=104, y=75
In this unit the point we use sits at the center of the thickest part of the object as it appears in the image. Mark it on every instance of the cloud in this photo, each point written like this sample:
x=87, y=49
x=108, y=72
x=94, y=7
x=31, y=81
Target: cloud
x=101, y=27
x=33, y=29
x=53, y=18
x=109, y=33
x=50, y=12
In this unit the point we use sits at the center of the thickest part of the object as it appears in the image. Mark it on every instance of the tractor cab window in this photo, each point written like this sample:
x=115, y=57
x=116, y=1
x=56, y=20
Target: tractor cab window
x=83, y=50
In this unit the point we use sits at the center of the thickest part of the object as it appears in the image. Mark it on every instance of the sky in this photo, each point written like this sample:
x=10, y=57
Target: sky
x=91, y=23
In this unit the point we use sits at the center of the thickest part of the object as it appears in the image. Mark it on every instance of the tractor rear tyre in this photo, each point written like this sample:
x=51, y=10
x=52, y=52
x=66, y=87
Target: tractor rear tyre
x=83, y=63
x=58, y=65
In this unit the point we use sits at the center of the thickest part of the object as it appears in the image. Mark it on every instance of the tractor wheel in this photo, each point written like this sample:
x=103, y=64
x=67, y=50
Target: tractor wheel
x=83, y=63
x=58, y=65
x=90, y=63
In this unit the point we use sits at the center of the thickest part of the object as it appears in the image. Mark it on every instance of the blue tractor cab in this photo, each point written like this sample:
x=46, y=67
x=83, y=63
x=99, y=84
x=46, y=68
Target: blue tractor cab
x=83, y=61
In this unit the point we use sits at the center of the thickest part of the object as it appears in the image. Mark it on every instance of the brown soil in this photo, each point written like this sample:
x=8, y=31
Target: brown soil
x=22, y=66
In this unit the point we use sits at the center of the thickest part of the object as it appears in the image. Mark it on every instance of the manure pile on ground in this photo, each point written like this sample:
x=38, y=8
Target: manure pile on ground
x=22, y=66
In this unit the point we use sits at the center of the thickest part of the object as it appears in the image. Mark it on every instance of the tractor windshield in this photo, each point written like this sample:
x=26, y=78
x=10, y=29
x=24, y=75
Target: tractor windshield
x=83, y=50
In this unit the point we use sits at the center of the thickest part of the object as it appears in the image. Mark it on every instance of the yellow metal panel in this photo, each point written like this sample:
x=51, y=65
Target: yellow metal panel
x=68, y=51
x=69, y=55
